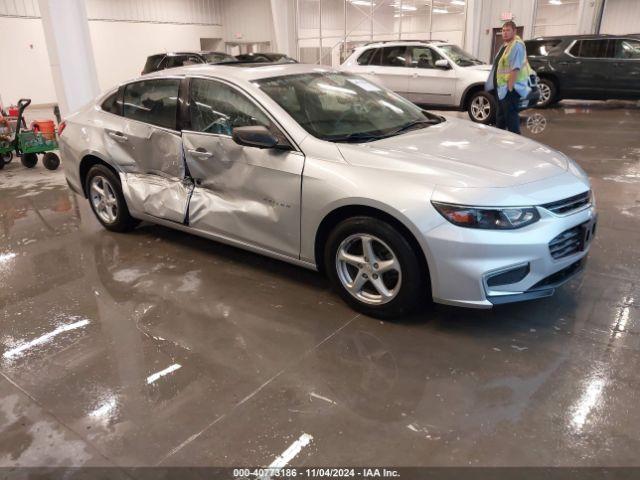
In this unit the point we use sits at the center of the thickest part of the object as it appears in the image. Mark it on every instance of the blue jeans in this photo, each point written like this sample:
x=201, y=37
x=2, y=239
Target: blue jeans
x=507, y=116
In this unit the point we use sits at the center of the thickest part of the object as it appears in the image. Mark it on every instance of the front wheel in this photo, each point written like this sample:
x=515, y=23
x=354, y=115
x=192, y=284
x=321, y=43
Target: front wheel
x=107, y=201
x=374, y=268
x=482, y=107
x=7, y=157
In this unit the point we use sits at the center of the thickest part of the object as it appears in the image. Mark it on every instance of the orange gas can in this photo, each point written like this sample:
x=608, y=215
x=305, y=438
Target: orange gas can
x=46, y=127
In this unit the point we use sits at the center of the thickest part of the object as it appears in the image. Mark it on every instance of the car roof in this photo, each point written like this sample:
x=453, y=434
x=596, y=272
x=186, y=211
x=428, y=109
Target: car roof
x=201, y=52
x=242, y=71
x=393, y=43
x=581, y=37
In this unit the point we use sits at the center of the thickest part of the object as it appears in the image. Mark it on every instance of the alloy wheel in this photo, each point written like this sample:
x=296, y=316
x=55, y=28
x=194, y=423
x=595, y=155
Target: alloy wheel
x=480, y=108
x=103, y=199
x=368, y=269
x=545, y=93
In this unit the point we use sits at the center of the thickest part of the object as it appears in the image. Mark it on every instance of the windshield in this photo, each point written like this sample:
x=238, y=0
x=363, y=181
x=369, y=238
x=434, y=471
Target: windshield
x=218, y=57
x=459, y=56
x=344, y=108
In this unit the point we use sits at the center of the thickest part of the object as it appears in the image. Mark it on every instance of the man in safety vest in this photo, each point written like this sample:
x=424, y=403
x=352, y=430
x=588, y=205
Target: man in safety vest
x=510, y=78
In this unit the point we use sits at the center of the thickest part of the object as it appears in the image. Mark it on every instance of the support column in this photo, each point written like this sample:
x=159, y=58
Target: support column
x=73, y=67
x=284, y=23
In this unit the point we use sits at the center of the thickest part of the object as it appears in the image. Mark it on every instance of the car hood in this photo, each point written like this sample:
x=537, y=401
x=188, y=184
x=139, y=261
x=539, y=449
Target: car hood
x=459, y=153
x=482, y=68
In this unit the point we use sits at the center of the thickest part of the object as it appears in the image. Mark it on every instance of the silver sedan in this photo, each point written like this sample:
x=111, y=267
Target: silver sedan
x=332, y=172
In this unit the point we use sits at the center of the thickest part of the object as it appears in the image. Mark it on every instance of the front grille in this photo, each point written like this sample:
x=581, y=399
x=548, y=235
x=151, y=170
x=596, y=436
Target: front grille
x=567, y=243
x=562, y=207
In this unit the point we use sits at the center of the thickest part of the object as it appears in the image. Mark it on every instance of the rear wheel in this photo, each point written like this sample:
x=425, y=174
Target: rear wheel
x=481, y=107
x=51, y=161
x=107, y=201
x=548, y=93
x=29, y=160
x=374, y=268
x=7, y=157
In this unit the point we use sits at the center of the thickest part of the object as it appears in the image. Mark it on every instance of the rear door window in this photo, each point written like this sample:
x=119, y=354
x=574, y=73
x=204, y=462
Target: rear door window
x=593, y=49
x=153, y=101
x=393, y=56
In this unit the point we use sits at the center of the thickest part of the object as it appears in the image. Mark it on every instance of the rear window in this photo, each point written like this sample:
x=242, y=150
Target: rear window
x=541, y=48
x=153, y=101
x=365, y=58
x=216, y=57
x=153, y=63
x=112, y=105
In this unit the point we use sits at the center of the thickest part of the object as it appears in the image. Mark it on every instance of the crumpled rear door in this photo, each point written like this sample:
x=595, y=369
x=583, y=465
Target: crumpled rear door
x=156, y=182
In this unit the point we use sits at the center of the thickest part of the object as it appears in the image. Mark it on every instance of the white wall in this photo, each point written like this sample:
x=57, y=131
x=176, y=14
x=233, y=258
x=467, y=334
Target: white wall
x=121, y=48
x=621, y=17
x=25, y=62
x=247, y=21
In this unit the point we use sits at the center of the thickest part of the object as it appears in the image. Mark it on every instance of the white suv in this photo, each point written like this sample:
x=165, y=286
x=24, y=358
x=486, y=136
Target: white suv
x=432, y=73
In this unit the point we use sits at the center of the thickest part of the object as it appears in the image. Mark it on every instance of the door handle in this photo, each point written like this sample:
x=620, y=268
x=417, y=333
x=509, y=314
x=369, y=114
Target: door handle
x=200, y=152
x=118, y=136
x=372, y=72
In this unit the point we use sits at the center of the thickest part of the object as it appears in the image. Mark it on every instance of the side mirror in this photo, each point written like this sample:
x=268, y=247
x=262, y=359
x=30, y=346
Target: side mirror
x=443, y=64
x=254, y=136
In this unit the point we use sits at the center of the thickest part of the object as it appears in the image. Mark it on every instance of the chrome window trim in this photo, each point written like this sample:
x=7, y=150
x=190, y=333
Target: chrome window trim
x=253, y=100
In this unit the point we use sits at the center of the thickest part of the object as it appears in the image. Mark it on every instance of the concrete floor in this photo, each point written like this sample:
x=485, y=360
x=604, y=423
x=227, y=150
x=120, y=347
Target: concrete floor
x=160, y=348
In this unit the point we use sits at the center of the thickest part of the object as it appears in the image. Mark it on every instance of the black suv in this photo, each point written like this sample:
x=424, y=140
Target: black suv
x=161, y=61
x=265, y=58
x=586, y=67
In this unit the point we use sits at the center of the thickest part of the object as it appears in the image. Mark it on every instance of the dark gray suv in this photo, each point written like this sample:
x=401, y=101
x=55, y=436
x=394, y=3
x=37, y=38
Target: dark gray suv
x=586, y=67
x=160, y=61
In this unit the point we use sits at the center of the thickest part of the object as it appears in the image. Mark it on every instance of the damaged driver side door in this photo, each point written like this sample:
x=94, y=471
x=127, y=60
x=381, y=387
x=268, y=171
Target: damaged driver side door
x=246, y=194
x=155, y=181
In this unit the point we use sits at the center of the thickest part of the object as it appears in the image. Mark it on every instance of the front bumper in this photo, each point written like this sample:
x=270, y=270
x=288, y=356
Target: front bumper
x=463, y=259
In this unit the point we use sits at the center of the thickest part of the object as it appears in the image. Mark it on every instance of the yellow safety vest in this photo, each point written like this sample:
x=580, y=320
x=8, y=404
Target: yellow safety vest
x=504, y=69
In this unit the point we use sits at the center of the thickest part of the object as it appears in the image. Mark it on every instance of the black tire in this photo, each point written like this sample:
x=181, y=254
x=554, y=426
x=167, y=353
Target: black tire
x=7, y=157
x=473, y=109
x=51, y=161
x=412, y=285
x=29, y=160
x=2, y=162
x=545, y=83
x=122, y=221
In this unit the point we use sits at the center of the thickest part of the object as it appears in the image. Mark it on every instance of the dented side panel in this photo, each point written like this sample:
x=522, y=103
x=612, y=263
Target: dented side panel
x=154, y=171
x=250, y=194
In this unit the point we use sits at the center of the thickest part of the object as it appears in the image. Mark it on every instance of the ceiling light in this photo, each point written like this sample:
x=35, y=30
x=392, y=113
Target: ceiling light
x=457, y=2
x=440, y=10
x=555, y=2
x=363, y=3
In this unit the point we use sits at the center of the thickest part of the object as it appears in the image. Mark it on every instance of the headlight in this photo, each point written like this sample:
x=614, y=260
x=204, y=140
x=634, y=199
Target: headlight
x=488, y=218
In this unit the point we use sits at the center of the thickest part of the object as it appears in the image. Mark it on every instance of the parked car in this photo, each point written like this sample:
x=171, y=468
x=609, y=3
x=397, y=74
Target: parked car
x=330, y=171
x=161, y=61
x=429, y=73
x=586, y=67
x=265, y=58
